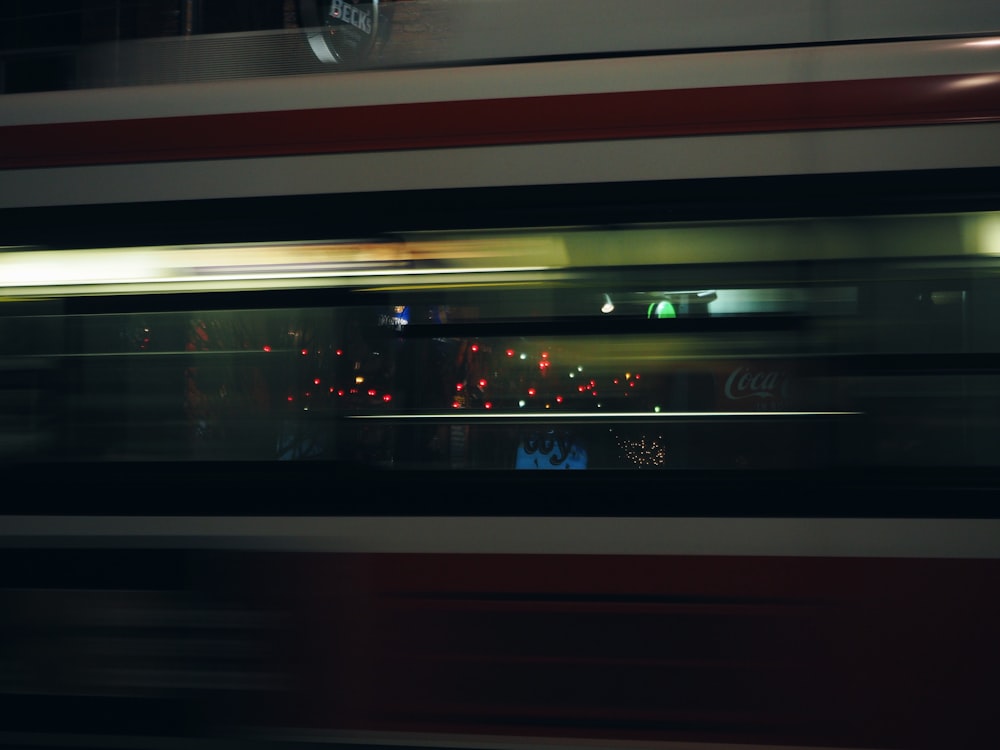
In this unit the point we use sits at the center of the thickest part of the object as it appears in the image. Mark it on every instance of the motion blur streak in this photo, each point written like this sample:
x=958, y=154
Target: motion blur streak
x=500, y=375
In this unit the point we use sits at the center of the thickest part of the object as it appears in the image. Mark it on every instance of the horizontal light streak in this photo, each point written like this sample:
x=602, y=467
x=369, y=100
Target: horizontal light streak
x=462, y=415
x=137, y=283
x=263, y=266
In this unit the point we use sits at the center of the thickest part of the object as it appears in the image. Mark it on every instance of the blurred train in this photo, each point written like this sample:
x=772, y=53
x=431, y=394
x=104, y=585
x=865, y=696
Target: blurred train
x=575, y=377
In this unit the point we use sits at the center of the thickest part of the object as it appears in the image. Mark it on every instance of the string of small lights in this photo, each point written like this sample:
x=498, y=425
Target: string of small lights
x=644, y=451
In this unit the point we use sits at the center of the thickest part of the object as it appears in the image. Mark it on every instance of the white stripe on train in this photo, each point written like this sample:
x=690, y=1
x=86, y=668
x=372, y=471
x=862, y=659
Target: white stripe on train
x=912, y=538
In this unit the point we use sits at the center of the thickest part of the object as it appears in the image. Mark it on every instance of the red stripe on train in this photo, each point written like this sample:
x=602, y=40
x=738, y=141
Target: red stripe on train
x=895, y=102
x=824, y=652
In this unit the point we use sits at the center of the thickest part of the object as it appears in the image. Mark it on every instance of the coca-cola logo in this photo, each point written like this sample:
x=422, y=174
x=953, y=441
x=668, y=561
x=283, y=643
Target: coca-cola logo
x=766, y=386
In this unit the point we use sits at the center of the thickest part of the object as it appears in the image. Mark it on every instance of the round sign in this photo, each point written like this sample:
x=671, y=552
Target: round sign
x=344, y=32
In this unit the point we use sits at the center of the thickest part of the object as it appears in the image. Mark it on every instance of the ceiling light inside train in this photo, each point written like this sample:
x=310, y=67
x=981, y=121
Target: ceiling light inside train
x=608, y=305
x=983, y=232
x=245, y=266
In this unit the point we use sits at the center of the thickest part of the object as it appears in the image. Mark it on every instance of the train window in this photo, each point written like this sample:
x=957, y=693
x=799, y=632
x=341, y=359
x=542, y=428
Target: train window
x=436, y=352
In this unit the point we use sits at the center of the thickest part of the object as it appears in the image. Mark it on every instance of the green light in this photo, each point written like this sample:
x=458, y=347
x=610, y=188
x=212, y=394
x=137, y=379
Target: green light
x=660, y=310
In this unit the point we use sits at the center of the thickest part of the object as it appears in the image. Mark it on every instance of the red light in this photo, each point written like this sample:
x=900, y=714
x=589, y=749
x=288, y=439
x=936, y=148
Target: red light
x=387, y=397
x=545, y=355
x=531, y=391
x=291, y=398
x=340, y=352
x=304, y=352
x=340, y=392
x=510, y=352
x=488, y=405
x=482, y=383
x=459, y=386
x=267, y=348
x=455, y=405
x=559, y=399
x=475, y=347
x=315, y=381
x=372, y=392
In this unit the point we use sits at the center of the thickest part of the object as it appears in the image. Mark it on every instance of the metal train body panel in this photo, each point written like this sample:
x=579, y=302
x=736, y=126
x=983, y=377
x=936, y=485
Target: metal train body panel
x=280, y=354
x=784, y=110
x=503, y=632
